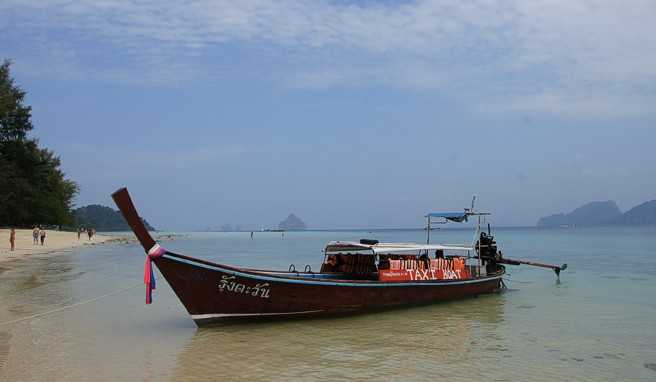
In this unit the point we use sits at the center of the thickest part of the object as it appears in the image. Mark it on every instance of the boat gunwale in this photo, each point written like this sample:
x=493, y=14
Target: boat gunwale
x=264, y=275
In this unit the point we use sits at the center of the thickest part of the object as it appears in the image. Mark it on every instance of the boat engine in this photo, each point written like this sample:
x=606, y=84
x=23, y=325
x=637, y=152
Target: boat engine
x=487, y=247
x=489, y=252
x=492, y=258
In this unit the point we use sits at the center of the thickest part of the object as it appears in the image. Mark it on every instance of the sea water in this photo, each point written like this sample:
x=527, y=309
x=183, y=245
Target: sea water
x=597, y=323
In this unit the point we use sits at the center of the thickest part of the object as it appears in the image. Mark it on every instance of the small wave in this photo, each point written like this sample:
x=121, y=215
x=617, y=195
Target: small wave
x=614, y=356
x=4, y=348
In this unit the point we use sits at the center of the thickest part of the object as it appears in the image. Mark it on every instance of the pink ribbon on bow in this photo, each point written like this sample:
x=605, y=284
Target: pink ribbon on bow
x=149, y=277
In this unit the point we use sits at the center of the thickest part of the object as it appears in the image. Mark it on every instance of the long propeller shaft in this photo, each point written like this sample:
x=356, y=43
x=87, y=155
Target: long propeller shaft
x=556, y=268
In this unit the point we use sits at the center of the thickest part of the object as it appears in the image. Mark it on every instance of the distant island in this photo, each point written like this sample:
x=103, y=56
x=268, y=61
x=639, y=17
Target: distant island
x=102, y=218
x=292, y=223
x=603, y=213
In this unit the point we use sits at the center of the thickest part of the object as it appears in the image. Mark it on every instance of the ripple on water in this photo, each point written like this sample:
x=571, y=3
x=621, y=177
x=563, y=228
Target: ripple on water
x=20, y=309
x=4, y=348
x=651, y=366
x=614, y=356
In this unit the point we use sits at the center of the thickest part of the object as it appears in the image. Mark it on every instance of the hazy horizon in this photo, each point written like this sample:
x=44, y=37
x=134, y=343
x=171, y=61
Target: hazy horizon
x=346, y=113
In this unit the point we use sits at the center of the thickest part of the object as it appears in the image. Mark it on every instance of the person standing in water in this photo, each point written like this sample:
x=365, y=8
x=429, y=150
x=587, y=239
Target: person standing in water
x=43, y=234
x=12, y=239
x=35, y=235
x=251, y=235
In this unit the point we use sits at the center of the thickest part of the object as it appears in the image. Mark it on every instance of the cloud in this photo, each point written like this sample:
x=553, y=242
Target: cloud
x=579, y=103
x=116, y=161
x=541, y=56
x=413, y=74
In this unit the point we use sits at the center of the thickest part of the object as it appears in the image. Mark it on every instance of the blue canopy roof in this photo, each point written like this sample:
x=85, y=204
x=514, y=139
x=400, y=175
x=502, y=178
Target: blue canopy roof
x=453, y=216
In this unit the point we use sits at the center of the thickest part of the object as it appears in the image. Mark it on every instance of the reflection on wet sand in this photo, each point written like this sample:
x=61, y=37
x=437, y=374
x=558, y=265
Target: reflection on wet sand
x=431, y=340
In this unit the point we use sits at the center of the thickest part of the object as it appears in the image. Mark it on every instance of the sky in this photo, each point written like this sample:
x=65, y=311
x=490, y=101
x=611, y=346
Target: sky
x=350, y=114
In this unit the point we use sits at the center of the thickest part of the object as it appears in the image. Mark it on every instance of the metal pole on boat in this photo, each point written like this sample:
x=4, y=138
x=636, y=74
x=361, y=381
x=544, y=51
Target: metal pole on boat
x=478, y=233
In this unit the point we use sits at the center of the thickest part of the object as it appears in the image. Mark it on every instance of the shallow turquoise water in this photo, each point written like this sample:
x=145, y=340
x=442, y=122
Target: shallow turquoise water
x=597, y=323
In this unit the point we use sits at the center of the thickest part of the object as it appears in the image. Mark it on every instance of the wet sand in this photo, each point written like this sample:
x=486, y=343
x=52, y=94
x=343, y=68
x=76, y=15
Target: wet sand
x=56, y=241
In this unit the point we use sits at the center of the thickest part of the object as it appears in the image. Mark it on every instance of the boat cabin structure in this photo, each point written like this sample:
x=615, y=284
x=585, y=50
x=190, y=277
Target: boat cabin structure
x=372, y=260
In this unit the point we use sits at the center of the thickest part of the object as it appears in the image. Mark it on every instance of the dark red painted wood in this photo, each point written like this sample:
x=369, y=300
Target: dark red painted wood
x=124, y=202
x=199, y=290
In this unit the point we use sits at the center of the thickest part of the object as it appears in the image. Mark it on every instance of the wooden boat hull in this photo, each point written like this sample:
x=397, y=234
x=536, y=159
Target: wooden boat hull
x=214, y=292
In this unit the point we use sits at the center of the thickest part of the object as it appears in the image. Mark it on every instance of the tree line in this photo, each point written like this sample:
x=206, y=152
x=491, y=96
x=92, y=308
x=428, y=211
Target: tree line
x=103, y=218
x=33, y=189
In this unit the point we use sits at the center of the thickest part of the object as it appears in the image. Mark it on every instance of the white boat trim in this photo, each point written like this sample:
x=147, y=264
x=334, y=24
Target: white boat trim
x=226, y=315
x=347, y=247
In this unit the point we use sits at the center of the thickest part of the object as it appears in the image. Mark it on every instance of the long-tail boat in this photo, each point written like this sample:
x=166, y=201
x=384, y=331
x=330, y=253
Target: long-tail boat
x=354, y=277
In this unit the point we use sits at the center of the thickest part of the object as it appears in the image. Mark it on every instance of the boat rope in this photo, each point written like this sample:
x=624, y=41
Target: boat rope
x=66, y=307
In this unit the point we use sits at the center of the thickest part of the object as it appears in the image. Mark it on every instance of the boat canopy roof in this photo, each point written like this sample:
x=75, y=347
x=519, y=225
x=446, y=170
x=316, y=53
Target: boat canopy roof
x=384, y=248
x=455, y=216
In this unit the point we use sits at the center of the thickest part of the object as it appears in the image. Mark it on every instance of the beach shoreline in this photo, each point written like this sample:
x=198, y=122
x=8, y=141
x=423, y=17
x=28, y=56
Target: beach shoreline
x=56, y=241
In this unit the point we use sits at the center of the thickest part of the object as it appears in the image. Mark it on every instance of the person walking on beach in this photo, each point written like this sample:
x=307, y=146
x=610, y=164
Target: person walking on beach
x=35, y=235
x=12, y=239
x=79, y=232
x=42, y=234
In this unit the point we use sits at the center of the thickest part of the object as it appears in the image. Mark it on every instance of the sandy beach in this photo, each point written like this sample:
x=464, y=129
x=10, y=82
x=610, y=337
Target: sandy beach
x=55, y=241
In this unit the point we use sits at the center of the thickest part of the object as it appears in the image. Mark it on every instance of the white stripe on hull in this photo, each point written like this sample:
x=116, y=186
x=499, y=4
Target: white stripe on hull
x=225, y=315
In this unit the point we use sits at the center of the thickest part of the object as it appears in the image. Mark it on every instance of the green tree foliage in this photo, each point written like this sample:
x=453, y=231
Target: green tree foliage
x=33, y=190
x=102, y=218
